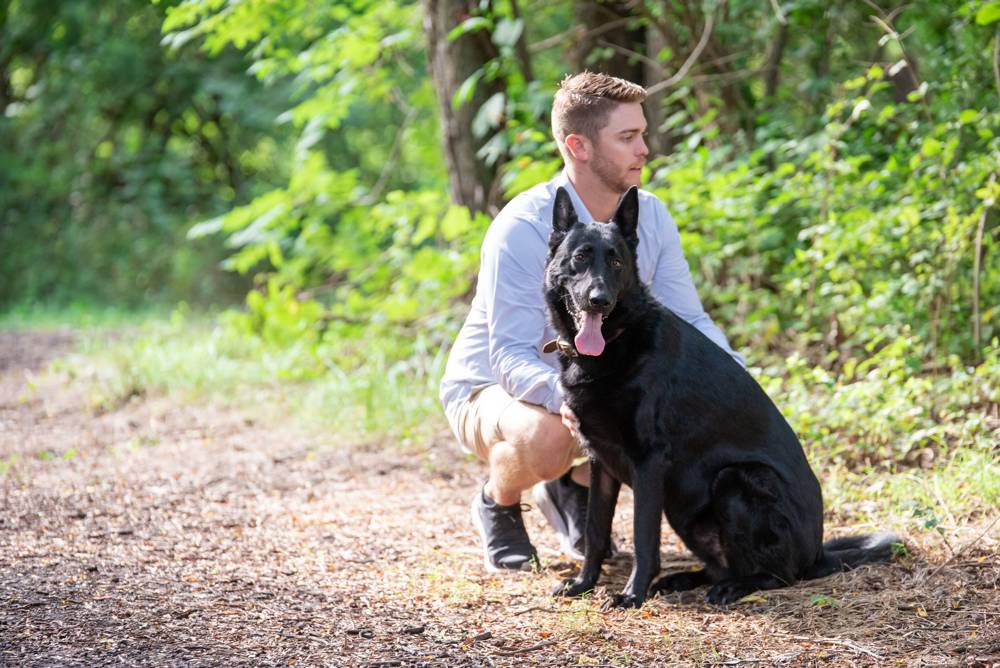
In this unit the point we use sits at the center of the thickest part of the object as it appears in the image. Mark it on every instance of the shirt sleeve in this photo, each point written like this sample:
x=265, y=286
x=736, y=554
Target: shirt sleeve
x=673, y=286
x=511, y=284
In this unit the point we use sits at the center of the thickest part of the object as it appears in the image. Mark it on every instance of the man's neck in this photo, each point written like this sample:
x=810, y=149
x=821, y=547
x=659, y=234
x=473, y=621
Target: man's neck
x=597, y=197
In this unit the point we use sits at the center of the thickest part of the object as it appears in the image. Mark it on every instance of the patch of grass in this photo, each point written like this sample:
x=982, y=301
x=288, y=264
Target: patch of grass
x=881, y=435
x=580, y=619
x=360, y=393
x=886, y=436
x=78, y=315
x=6, y=464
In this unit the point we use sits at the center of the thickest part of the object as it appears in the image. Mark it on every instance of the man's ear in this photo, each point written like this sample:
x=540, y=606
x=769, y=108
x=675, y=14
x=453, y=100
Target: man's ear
x=627, y=216
x=578, y=146
x=563, y=218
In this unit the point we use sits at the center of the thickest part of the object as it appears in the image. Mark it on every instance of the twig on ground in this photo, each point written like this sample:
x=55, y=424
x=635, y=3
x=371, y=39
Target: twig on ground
x=843, y=643
x=965, y=547
x=524, y=650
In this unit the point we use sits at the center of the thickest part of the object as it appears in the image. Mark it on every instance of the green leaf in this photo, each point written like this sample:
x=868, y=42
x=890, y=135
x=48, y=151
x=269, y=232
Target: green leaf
x=490, y=115
x=968, y=116
x=466, y=90
x=988, y=13
x=205, y=228
x=455, y=223
x=507, y=32
x=470, y=24
x=930, y=147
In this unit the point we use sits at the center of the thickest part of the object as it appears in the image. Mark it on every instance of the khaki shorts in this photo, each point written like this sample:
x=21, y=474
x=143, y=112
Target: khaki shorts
x=478, y=425
x=479, y=422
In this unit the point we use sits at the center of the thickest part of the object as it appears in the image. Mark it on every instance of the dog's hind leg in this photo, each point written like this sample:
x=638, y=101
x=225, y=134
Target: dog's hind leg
x=601, y=501
x=734, y=589
x=683, y=581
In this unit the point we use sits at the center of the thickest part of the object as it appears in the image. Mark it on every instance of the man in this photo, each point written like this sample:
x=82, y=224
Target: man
x=500, y=390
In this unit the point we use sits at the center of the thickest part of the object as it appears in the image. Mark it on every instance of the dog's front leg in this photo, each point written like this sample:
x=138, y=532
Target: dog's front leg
x=601, y=501
x=647, y=489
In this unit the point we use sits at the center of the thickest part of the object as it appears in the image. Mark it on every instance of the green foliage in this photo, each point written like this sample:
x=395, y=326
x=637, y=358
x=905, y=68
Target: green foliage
x=887, y=414
x=363, y=231
x=841, y=227
x=853, y=237
x=833, y=234
x=382, y=389
x=109, y=146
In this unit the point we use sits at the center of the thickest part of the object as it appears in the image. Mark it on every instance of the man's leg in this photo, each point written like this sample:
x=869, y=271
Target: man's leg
x=536, y=450
x=533, y=447
x=540, y=450
x=524, y=446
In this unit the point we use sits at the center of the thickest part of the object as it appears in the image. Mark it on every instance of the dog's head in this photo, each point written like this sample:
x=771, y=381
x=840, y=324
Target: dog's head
x=590, y=267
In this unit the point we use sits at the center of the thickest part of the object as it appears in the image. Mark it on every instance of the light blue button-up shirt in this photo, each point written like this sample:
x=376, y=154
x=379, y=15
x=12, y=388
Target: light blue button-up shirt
x=503, y=334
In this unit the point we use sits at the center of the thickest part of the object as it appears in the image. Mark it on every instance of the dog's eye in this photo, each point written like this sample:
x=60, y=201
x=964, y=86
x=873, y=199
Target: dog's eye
x=616, y=262
x=580, y=257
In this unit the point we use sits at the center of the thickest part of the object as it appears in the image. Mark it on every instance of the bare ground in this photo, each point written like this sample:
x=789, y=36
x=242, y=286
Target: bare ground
x=166, y=533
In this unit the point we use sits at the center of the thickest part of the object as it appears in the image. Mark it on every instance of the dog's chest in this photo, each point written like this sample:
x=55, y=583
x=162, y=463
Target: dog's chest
x=607, y=432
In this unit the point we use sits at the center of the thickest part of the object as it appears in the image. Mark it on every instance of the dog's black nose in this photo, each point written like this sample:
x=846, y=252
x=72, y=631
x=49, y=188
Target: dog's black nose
x=600, y=299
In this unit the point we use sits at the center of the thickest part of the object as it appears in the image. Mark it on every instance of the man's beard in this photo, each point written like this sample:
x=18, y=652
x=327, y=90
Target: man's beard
x=609, y=175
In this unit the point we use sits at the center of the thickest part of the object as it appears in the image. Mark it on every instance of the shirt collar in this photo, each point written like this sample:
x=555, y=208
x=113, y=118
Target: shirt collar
x=581, y=209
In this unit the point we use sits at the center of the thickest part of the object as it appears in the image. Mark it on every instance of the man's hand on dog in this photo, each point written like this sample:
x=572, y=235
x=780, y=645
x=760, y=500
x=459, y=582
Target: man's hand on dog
x=570, y=421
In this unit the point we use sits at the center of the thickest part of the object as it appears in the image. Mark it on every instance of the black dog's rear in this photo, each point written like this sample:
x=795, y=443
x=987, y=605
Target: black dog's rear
x=665, y=410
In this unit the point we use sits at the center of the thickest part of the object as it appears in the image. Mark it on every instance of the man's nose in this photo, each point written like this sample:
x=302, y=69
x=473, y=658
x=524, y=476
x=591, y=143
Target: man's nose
x=643, y=148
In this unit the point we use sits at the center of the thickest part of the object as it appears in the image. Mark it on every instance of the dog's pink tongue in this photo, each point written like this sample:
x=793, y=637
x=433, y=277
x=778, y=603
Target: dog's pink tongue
x=590, y=340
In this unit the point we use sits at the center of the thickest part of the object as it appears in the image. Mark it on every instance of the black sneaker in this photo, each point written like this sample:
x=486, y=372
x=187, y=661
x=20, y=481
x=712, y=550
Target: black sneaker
x=564, y=504
x=506, y=546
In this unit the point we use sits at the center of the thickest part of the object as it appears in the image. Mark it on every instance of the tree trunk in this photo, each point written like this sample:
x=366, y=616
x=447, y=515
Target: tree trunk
x=660, y=143
x=608, y=44
x=473, y=182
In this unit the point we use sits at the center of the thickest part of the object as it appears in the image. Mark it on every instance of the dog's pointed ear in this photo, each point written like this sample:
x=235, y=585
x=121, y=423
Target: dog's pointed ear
x=563, y=218
x=627, y=216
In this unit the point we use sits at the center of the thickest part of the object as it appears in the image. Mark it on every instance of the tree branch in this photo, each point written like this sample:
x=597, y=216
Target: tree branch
x=777, y=10
x=996, y=60
x=980, y=228
x=652, y=62
x=774, y=60
x=521, y=47
x=578, y=34
x=682, y=72
x=376, y=192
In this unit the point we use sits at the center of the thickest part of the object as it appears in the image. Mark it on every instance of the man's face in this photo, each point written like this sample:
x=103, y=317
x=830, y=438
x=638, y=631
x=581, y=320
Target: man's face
x=620, y=150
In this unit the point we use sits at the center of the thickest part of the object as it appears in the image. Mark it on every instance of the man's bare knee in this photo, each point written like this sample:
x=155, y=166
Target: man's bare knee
x=545, y=445
x=552, y=449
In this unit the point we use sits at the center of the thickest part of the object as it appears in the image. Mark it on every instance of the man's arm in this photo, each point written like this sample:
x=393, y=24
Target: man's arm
x=511, y=285
x=673, y=287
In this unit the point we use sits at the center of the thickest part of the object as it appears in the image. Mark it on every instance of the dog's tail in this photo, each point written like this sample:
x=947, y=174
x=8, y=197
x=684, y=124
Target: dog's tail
x=843, y=554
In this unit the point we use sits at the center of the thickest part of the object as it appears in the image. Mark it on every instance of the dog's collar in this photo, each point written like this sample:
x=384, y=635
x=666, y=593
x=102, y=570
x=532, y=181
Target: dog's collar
x=568, y=349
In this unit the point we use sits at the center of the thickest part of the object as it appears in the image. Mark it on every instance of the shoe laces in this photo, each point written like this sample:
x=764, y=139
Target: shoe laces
x=513, y=511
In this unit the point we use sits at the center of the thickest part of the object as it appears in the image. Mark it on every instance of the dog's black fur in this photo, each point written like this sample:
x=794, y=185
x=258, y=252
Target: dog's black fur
x=668, y=412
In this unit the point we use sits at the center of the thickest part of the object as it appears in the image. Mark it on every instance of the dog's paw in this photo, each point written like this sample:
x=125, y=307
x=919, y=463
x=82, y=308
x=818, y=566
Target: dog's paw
x=728, y=592
x=625, y=600
x=683, y=581
x=572, y=587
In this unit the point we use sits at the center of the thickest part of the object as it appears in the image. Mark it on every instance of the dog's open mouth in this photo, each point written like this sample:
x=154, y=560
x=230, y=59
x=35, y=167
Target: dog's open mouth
x=589, y=337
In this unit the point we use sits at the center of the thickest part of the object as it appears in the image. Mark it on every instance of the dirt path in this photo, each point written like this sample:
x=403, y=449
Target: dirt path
x=169, y=534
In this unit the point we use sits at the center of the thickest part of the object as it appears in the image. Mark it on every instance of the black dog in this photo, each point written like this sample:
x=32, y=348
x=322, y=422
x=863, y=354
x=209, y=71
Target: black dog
x=665, y=410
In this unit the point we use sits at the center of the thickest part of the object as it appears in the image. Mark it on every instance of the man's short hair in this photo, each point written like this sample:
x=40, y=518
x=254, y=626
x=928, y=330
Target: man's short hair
x=584, y=101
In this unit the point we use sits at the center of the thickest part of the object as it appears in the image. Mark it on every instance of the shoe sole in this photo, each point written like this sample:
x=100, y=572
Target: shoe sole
x=548, y=507
x=478, y=523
